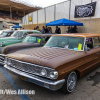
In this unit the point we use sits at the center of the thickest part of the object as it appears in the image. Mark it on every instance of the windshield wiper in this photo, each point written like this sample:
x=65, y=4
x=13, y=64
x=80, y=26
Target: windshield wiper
x=60, y=46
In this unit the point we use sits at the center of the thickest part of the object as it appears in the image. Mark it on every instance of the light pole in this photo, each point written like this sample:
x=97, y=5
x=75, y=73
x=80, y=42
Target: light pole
x=69, y=8
x=10, y=13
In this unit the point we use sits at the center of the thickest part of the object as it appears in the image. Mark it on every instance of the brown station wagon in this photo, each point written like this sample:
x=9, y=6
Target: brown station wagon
x=57, y=65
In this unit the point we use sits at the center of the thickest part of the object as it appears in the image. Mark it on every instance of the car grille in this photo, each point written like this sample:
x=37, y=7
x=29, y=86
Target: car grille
x=27, y=67
x=2, y=57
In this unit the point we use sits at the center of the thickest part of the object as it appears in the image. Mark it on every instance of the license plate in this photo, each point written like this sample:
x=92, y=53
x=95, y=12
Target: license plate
x=23, y=78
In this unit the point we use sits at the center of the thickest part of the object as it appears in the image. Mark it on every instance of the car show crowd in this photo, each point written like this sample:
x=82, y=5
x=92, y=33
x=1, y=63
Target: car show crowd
x=72, y=29
x=46, y=29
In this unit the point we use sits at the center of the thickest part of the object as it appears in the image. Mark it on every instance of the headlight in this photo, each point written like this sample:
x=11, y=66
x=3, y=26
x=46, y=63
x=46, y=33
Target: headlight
x=54, y=75
x=9, y=62
x=43, y=72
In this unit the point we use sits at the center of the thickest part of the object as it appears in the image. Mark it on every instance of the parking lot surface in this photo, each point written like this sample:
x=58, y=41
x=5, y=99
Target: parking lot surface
x=87, y=88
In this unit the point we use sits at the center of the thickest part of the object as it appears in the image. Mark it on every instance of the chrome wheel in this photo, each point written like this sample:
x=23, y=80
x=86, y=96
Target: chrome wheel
x=71, y=82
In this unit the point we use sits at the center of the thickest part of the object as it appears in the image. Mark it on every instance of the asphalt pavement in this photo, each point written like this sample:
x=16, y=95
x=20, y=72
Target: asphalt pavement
x=87, y=88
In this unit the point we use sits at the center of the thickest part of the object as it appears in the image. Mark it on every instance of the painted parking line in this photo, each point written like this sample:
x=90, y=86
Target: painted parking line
x=13, y=83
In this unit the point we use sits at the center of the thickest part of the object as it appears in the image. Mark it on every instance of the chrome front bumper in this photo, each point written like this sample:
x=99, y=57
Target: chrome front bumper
x=50, y=84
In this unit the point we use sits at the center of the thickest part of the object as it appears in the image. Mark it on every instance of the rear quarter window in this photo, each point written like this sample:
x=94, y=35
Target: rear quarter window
x=29, y=32
x=96, y=42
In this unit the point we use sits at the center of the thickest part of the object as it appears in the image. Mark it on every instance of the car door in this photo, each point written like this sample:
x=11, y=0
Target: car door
x=92, y=57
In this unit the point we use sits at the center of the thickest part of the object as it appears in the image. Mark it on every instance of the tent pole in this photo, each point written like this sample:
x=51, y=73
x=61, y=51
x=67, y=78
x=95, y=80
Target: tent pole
x=83, y=29
x=69, y=9
x=61, y=29
x=10, y=13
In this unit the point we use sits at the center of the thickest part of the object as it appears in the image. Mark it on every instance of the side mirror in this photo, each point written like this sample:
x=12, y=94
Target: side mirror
x=22, y=37
x=87, y=48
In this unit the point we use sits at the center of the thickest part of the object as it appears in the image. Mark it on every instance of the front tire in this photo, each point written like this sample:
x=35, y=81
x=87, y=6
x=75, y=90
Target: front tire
x=70, y=83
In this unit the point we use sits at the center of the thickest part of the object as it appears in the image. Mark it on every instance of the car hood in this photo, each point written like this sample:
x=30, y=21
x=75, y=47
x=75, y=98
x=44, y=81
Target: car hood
x=45, y=56
x=18, y=46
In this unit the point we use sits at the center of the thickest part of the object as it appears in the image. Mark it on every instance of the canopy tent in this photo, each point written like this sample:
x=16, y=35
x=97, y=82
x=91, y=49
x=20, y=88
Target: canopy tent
x=16, y=26
x=64, y=22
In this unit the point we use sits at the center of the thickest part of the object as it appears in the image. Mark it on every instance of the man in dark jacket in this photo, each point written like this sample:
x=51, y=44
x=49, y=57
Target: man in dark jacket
x=46, y=30
x=58, y=31
x=75, y=29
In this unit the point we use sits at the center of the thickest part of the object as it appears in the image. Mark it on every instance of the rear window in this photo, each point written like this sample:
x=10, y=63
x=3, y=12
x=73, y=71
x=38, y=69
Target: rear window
x=34, y=39
x=17, y=34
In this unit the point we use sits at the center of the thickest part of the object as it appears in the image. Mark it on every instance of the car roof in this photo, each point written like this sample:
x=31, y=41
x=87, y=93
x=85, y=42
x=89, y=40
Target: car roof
x=8, y=31
x=23, y=30
x=28, y=30
x=80, y=34
x=40, y=35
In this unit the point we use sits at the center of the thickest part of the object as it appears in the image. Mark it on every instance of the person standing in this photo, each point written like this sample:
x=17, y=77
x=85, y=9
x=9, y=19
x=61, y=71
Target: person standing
x=46, y=30
x=75, y=29
x=68, y=30
x=16, y=29
x=58, y=31
x=37, y=28
x=43, y=30
x=50, y=30
x=71, y=30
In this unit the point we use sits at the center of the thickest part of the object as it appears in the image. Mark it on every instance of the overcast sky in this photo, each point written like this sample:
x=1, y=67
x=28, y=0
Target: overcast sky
x=43, y=3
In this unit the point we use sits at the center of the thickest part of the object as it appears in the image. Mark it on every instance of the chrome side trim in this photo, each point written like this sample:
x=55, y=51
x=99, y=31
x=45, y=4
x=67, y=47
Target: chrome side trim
x=84, y=44
x=52, y=85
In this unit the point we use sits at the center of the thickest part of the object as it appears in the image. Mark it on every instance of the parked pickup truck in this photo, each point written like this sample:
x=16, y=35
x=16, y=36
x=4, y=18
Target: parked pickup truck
x=31, y=41
x=57, y=65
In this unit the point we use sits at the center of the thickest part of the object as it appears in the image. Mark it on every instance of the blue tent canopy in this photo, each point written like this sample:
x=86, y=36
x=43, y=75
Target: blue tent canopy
x=16, y=26
x=64, y=22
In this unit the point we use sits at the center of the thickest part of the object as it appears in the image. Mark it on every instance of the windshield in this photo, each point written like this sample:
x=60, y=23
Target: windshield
x=4, y=33
x=73, y=43
x=34, y=39
x=17, y=34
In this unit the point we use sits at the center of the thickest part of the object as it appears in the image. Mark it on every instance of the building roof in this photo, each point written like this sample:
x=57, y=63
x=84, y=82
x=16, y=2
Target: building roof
x=6, y=4
x=80, y=35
